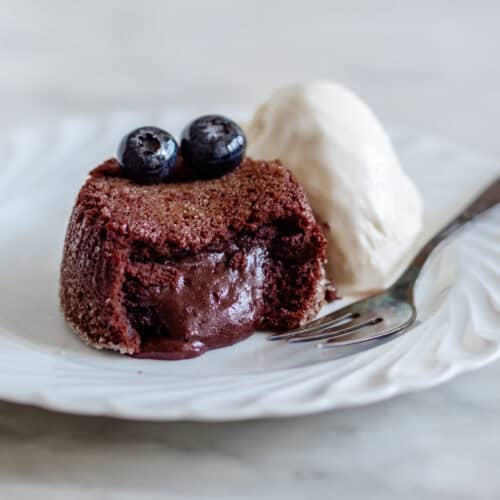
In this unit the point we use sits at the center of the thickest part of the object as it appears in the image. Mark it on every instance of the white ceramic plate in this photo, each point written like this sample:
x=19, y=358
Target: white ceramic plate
x=44, y=364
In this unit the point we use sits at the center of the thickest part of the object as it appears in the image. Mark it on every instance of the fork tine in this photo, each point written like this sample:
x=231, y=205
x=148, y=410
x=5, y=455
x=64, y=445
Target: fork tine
x=360, y=336
x=335, y=317
x=336, y=330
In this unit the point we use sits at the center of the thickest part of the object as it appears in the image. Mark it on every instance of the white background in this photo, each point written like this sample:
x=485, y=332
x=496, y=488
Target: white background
x=432, y=65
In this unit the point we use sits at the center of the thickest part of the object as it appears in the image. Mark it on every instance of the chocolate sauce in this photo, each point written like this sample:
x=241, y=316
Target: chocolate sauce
x=210, y=301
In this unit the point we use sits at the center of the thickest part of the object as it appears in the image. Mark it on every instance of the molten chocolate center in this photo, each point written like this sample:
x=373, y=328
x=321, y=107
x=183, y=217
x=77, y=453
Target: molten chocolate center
x=209, y=301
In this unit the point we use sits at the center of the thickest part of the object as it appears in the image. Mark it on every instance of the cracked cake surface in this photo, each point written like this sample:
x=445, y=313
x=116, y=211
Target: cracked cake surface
x=170, y=270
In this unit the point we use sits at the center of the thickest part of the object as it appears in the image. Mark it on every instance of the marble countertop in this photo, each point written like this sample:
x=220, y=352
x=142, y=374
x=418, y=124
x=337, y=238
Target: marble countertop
x=432, y=65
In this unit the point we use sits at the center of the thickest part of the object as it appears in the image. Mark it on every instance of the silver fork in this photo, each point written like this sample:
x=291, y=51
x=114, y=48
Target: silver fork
x=392, y=311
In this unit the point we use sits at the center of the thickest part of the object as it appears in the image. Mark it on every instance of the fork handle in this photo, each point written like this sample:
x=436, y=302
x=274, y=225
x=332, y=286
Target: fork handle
x=486, y=200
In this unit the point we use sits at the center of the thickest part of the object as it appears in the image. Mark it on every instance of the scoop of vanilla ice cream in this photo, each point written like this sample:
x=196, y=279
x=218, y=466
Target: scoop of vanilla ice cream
x=339, y=152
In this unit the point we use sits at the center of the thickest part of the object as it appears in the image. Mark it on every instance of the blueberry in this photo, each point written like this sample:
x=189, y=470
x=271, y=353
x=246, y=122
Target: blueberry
x=148, y=155
x=213, y=145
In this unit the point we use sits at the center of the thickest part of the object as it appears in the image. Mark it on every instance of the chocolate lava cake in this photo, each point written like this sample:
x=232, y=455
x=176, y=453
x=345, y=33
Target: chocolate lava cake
x=169, y=270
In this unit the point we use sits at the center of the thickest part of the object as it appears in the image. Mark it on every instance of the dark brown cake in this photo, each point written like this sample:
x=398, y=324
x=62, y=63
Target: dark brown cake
x=173, y=269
